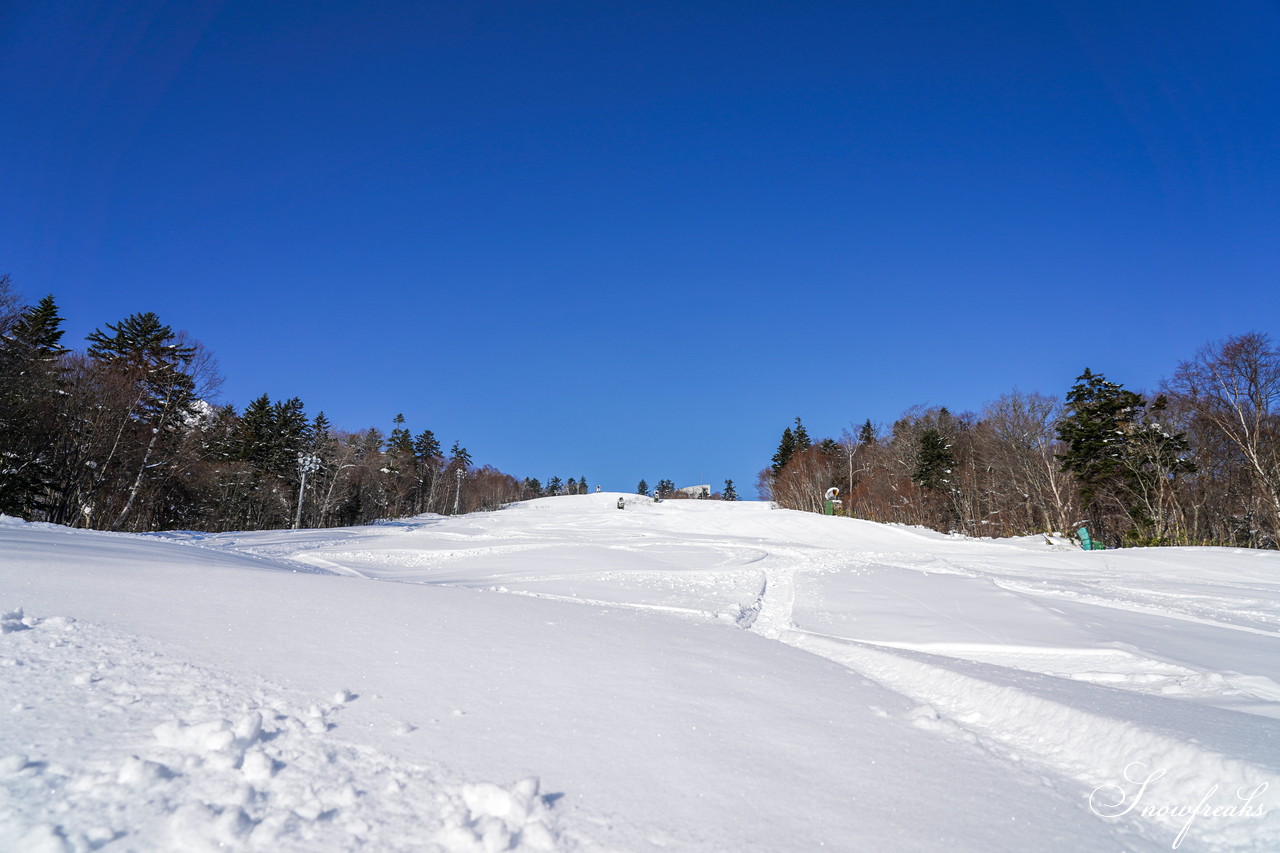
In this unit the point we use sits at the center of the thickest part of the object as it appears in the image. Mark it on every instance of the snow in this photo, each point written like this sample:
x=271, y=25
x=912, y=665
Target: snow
x=685, y=675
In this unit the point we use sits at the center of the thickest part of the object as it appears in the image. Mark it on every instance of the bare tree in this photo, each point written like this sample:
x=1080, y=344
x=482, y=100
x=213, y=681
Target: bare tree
x=1023, y=454
x=1233, y=387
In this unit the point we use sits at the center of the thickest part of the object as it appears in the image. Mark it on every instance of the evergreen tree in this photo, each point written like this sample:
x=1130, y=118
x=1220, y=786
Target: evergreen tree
x=255, y=438
x=429, y=458
x=37, y=332
x=426, y=447
x=1100, y=416
x=321, y=433
x=31, y=387
x=150, y=356
x=666, y=489
x=867, y=434
x=571, y=487
x=554, y=485
x=642, y=488
x=1119, y=456
x=801, y=436
x=292, y=436
x=459, y=457
x=582, y=485
x=399, y=442
x=934, y=461
x=729, y=493
x=786, y=447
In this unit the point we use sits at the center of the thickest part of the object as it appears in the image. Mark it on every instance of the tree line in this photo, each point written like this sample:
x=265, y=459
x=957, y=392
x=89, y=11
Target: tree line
x=666, y=490
x=122, y=436
x=1197, y=462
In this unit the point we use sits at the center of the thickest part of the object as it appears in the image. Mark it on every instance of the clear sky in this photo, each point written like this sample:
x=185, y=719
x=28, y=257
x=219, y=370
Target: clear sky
x=636, y=240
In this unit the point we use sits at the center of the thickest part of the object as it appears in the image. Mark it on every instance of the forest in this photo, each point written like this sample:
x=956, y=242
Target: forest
x=121, y=436
x=1195, y=463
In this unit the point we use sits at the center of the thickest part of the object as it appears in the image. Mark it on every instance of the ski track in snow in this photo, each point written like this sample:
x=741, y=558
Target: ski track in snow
x=214, y=764
x=1089, y=748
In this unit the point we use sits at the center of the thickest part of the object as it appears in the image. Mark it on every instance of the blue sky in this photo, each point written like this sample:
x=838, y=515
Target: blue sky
x=637, y=240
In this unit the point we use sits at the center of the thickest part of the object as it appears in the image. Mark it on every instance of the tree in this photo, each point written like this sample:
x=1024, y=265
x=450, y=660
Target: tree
x=399, y=442
x=867, y=433
x=1099, y=415
x=642, y=488
x=1123, y=462
x=665, y=489
x=163, y=369
x=1031, y=493
x=791, y=442
x=10, y=304
x=429, y=458
x=801, y=435
x=934, y=461
x=255, y=436
x=729, y=493
x=1232, y=390
x=37, y=331
x=427, y=447
x=31, y=387
x=786, y=447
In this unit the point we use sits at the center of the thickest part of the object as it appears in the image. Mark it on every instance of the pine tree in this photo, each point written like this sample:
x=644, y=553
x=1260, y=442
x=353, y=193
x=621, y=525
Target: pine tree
x=867, y=434
x=321, y=433
x=582, y=485
x=801, y=435
x=31, y=389
x=642, y=488
x=427, y=447
x=934, y=461
x=1119, y=456
x=151, y=356
x=399, y=442
x=665, y=489
x=1100, y=416
x=554, y=486
x=255, y=435
x=404, y=482
x=571, y=487
x=786, y=447
x=292, y=436
x=429, y=457
x=729, y=493
x=459, y=457
x=37, y=331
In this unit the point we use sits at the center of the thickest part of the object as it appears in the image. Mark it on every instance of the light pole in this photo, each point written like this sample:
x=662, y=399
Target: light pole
x=307, y=462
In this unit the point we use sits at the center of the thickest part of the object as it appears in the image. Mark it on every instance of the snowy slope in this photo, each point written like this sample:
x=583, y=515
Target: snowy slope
x=689, y=675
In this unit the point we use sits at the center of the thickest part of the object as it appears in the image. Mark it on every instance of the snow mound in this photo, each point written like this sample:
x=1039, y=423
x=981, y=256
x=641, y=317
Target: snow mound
x=487, y=818
x=212, y=764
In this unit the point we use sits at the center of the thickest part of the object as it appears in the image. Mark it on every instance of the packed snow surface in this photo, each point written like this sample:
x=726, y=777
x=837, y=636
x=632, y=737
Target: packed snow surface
x=685, y=676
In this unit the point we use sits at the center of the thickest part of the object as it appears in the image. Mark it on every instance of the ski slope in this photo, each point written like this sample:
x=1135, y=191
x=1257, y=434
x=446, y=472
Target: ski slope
x=687, y=676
